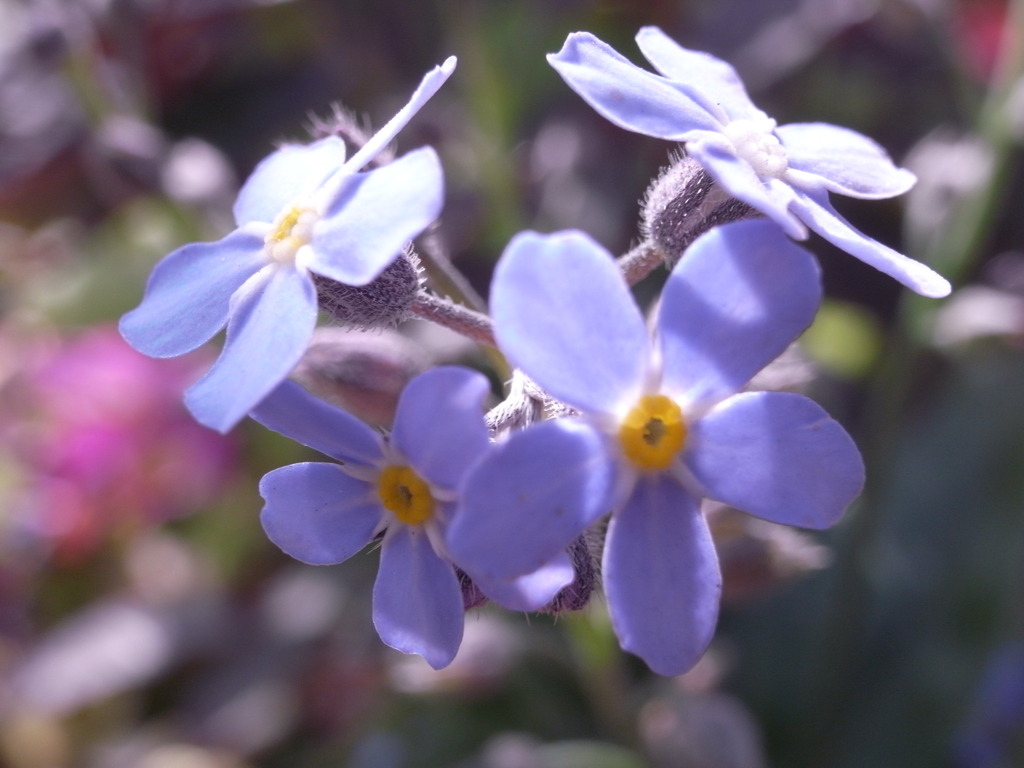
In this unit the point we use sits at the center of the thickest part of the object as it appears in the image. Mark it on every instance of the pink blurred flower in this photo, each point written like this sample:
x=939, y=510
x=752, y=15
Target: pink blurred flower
x=980, y=27
x=103, y=444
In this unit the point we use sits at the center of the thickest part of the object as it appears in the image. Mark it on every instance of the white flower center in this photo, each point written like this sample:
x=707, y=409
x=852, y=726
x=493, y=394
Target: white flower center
x=756, y=142
x=292, y=229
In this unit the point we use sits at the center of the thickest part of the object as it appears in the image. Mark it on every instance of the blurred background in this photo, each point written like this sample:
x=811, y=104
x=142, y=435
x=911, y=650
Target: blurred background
x=145, y=621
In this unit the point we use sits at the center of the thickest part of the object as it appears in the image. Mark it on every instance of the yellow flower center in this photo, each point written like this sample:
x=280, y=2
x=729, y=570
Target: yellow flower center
x=406, y=494
x=293, y=229
x=653, y=432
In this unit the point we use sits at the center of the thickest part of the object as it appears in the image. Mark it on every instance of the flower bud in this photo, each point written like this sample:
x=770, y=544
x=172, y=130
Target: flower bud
x=382, y=303
x=362, y=373
x=585, y=554
x=683, y=203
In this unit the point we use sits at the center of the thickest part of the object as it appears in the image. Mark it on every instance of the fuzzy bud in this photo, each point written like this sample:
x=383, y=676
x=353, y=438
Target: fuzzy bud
x=683, y=203
x=382, y=303
x=471, y=594
x=585, y=555
x=363, y=373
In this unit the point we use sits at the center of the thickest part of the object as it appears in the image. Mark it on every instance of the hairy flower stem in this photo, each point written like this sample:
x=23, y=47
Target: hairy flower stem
x=470, y=323
x=640, y=261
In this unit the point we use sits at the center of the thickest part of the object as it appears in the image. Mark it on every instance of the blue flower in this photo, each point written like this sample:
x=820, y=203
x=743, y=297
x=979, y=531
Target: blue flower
x=304, y=210
x=786, y=172
x=403, y=488
x=662, y=424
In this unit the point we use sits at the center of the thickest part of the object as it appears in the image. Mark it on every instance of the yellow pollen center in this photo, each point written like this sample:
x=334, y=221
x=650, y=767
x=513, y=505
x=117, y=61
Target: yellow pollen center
x=292, y=230
x=406, y=494
x=653, y=432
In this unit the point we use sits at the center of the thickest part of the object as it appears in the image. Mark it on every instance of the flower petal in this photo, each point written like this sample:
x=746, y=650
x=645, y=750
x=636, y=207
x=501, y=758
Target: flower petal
x=529, y=498
x=844, y=161
x=286, y=176
x=417, y=602
x=439, y=424
x=706, y=78
x=815, y=209
x=318, y=514
x=627, y=95
x=533, y=591
x=776, y=455
x=738, y=297
x=374, y=215
x=661, y=576
x=737, y=177
x=293, y=412
x=272, y=319
x=187, y=296
x=563, y=313
x=430, y=84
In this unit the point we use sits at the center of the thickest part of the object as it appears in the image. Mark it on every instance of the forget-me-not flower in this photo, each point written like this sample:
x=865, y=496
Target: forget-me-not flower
x=786, y=172
x=403, y=488
x=662, y=423
x=304, y=209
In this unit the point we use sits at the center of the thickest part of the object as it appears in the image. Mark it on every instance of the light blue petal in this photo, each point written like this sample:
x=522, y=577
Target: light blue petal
x=661, y=576
x=533, y=591
x=738, y=297
x=417, y=601
x=375, y=214
x=286, y=176
x=815, y=209
x=702, y=75
x=529, y=498
x=845, y=161
x=627, y=95
x=717, y=156
x=564, y=314
x=318, y=514
x=439, y=424
x=776, y=455
x=430, y=84
x=272, y=320
x=295, y=413
x=187, y=297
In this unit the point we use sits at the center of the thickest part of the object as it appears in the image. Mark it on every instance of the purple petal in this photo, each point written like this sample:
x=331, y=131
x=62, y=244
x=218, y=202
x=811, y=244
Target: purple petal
x=776, y=455
x=272, y=319
x=375, y=215
x=530, y=497
x=533, y=591
x=430, y=84
x=188, y=294
x=439, y=424
x=292, y=411
x=627, y=95
x=717, y=156
x=815, y=209
x=738, y=297
x=661, y=576
x=286, y=176
x=843, y=161
x=563, y=313
x=700, y=74
x=417, y=602
x=318, y=514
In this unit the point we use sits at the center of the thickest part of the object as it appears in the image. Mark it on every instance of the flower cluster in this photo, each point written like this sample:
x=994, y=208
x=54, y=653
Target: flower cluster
x=615, y=428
